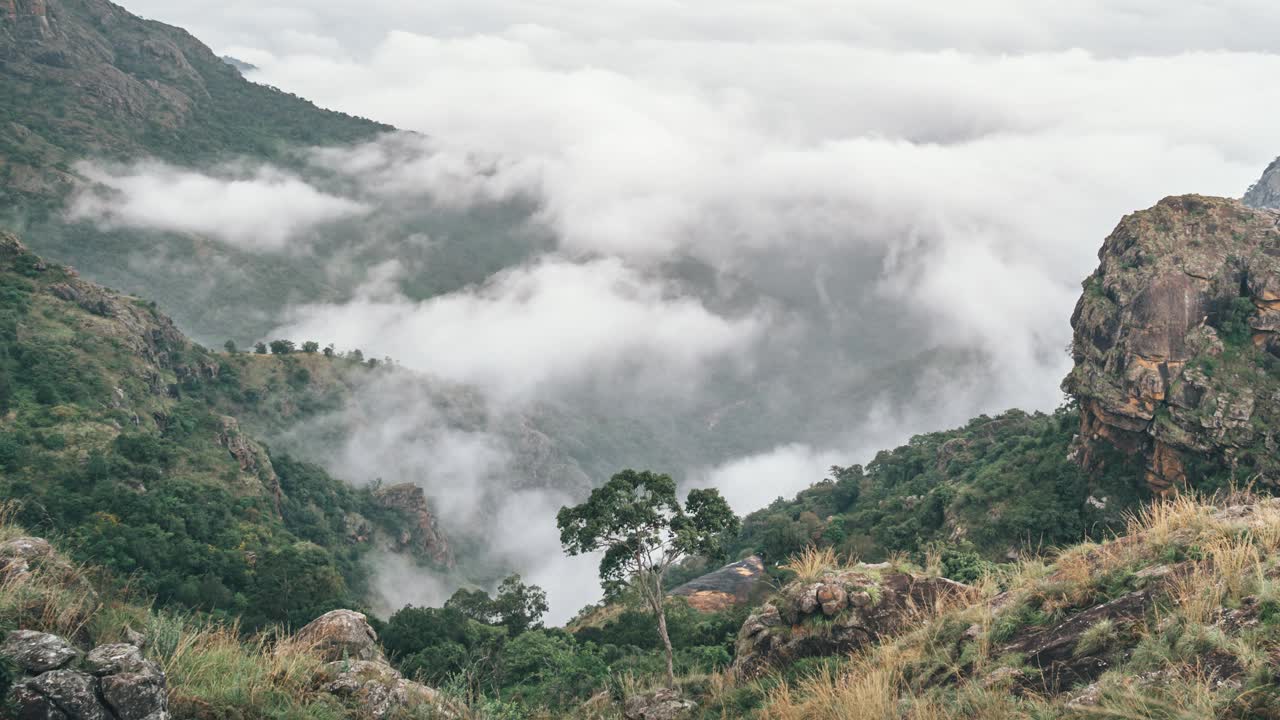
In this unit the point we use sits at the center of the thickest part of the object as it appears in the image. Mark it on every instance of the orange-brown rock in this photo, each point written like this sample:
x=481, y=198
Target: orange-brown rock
x=1171, y=344
x=729, y=586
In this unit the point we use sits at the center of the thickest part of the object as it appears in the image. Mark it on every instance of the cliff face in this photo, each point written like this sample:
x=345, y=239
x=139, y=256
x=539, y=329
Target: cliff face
x=1266, y=192
x=1177, y=343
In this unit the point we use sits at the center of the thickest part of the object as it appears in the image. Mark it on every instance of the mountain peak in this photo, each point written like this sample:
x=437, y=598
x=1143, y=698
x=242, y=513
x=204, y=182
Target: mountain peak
x=1266, y=192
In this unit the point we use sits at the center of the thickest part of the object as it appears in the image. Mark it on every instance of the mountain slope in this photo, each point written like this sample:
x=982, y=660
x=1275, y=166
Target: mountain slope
x=110, y=435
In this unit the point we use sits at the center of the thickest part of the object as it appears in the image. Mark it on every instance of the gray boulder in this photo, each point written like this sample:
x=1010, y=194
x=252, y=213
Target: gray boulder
x=60, y=694
x=37, y=652
x=664, y=704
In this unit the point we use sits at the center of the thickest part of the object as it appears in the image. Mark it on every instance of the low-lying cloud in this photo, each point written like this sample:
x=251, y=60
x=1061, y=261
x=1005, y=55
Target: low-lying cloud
x=532, y=330
x=260, y=209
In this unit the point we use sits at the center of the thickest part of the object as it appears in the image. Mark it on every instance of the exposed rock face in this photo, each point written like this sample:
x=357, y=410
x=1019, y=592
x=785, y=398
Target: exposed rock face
x=1171, y=341
x=1266, y=192
x=252, y=458
x=117, y=683
x=664, y=704
x=420, y=535
x=340, y=635
x=836, y=614
x=730, y=585
x=359, y=673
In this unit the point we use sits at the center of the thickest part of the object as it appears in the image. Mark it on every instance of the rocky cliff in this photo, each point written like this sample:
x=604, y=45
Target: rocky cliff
x=1266, y=192
x=1177, y=344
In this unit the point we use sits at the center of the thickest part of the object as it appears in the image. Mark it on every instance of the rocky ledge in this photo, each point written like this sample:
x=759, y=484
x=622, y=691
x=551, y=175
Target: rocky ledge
x=836, y=613
x=1177, y=343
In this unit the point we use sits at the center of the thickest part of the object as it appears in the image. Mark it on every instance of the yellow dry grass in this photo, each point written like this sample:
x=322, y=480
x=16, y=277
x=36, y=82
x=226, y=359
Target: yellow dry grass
x=810, y=563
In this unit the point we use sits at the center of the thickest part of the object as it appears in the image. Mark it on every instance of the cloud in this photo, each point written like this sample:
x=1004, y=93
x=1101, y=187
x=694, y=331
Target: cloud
x=260, y=209
x=537, y=328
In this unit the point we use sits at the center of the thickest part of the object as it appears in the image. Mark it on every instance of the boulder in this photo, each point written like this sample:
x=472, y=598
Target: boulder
x=61, y=694
x=116, y=658
x=664, y=704
x=37, y=652
x=729, y=586
x=378, y=689
x=137, y=695
x=340, y=635
x=834, y=615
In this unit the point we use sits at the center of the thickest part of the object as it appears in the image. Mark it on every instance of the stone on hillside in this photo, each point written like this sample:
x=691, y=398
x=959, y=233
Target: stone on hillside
x=664, y=704
x=37, y=652
x=340, y=635
x=379, y=689
x=137, y=695
x=834, y=615
x=61, y=694
x=116, y=658
x=729, y=586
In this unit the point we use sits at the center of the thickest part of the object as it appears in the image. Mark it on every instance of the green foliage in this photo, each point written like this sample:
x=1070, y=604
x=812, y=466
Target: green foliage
x=518, y=607
x=1005, y=482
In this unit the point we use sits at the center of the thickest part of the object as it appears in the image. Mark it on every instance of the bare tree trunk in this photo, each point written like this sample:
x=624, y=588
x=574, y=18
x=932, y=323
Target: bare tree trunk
x=662, y=632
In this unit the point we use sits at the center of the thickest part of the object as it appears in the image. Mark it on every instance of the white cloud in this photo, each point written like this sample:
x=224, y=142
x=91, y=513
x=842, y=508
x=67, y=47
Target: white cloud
x=260, y=210
x=536, y=329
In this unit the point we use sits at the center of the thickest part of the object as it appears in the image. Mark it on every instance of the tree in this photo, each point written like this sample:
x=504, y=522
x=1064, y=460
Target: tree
x=282, y=347
x=260, y=348
x=519, y=607
x=636, y=520
x=475, y=604
x=311, y=347
x=328, y=350
x=230, y=347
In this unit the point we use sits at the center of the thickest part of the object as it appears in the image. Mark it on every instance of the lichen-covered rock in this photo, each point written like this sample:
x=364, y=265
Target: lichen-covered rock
x=1172, y=336
x=378, y=689
x=340, y=635
x=835, y=614
x=663, y=704
x=62, y=694
x=37, y=652
x=138, y=694
x=116, y=658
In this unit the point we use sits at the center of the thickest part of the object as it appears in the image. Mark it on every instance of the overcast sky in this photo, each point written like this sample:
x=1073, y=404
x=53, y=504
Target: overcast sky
x=982, y=149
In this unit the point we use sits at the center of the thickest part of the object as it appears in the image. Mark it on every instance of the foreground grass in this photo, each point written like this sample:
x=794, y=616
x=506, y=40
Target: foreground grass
x=1204, y=646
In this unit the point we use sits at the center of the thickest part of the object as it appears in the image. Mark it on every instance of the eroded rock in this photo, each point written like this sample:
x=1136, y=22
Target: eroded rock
x=1170, y=336
x=663, y=704
x=37, y=652
x=340, y=635
x=836, y=614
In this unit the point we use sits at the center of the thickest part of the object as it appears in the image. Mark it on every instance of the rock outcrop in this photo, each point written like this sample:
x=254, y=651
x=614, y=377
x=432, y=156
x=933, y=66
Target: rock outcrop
x=340, y=635
x=1177, y=335
x=662, y=704
x=114, y=682
x=729, y=586
x=836, y=614
x=357, y=671
x=1266, y=192
x=419, y=534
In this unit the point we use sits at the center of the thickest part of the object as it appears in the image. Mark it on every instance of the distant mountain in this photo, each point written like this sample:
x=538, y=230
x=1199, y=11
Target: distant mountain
x=1266, y=192
x=238, y=64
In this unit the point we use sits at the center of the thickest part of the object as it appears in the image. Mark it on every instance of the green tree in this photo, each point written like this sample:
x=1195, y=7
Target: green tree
x=475, y=604
x=519, y=607
x=260, y=348
x=311, y=347
x=636, y=520
x=282, y=347
x=230, y=347
x=328, y=350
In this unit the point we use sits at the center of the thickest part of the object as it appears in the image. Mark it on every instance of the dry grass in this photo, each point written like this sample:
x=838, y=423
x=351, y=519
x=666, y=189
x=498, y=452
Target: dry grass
x=1164, y=519
x=812, y=562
